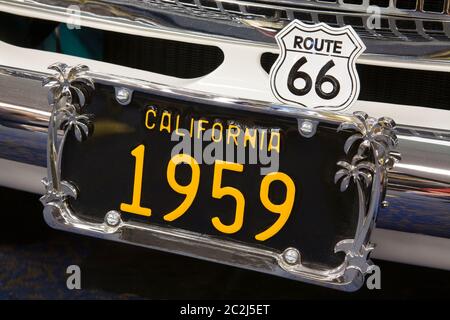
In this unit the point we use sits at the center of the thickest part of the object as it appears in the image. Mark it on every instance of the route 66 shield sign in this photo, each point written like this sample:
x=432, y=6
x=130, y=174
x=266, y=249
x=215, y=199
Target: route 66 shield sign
x=316, y=68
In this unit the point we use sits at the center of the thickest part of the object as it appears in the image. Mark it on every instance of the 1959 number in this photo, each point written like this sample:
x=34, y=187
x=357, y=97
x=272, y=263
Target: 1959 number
x=284, y=209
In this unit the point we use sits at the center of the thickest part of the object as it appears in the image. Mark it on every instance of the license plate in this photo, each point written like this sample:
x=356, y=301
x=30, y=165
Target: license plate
x=242, y=183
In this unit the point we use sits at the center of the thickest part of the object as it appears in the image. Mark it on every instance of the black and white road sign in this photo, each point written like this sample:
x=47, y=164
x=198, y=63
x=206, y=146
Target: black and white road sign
x=316, y=67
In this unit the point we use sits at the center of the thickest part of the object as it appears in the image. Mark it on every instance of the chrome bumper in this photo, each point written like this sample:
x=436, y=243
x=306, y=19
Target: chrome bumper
x=418, y=191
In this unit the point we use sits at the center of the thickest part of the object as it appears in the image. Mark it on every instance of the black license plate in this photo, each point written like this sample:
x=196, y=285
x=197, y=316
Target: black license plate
x=272, y=188
x=127, y=165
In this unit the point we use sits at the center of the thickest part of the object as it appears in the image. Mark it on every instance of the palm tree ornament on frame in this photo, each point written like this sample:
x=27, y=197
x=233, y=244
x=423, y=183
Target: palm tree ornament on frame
x=371, y=157
x=68, y=94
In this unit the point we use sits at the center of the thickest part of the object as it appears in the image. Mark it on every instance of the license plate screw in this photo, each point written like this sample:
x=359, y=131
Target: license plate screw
x=291, y=256
x=123, y=95
x=112, y=218
x=307, y=128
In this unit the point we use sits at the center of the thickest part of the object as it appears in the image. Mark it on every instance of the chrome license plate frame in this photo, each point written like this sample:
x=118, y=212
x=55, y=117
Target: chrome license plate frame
x=72, y=88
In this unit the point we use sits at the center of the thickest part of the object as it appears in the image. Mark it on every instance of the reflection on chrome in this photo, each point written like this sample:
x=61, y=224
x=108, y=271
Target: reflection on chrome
x=420, y=168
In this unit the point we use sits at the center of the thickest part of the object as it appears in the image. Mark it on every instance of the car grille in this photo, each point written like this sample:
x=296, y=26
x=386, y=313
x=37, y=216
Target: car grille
x=409, y=20
x=264, y=8
x=386, y=6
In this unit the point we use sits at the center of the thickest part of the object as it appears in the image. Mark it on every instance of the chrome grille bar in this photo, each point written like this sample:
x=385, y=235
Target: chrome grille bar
x=396, y=23
x=414, y=8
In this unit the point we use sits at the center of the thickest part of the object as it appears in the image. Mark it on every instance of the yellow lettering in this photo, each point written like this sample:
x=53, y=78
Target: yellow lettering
x=153, y=112
x=219, y=192
x=262, y=134
x=283, y=209
x=233, y=132
x=192, y=128
x=135, y=206
x=165, y=115
x=189, y=190
x=271, y=143
x=177, y=126
x=200, y=127
x=250, y=137
x=213, y=135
